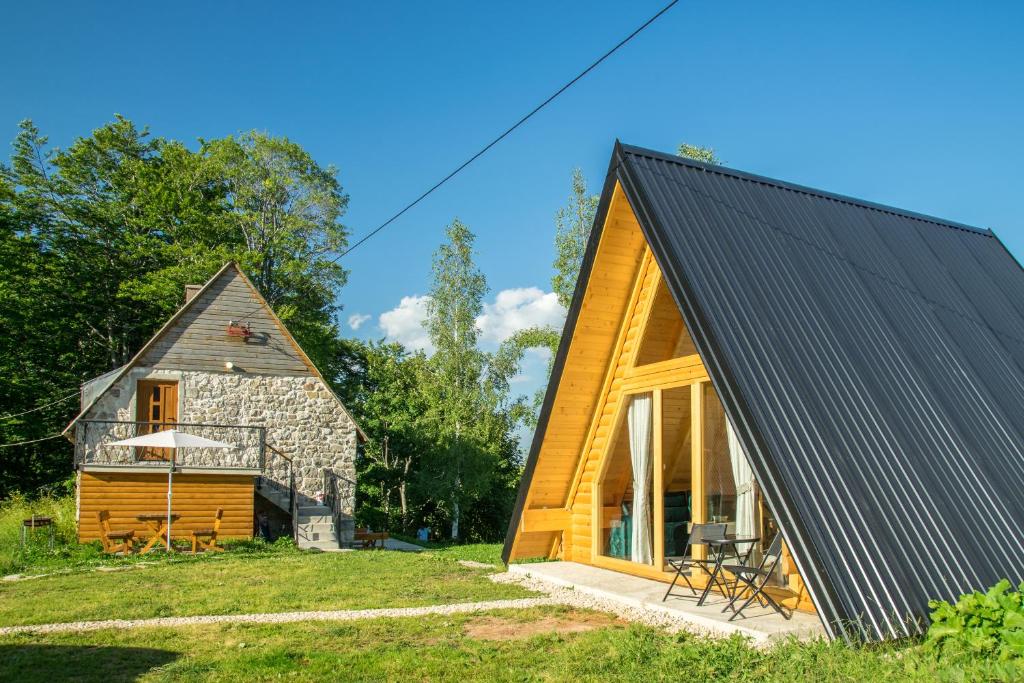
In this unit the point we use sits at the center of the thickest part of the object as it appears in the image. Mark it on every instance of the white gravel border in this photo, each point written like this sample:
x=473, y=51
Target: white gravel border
x=282, y=617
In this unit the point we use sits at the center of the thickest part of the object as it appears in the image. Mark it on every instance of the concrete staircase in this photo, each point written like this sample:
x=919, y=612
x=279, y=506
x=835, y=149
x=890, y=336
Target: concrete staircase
x=314, y=528
x=313, y=525
x=279, y=497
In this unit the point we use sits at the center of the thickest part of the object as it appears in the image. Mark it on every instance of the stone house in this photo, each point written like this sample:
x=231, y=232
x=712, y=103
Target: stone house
x=226, y=368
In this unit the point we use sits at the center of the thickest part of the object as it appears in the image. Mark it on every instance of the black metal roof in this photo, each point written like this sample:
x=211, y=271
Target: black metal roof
x=872, y=362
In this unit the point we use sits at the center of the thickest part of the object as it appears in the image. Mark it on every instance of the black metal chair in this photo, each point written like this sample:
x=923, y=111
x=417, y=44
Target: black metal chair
x=686, y=562
x=754, y=579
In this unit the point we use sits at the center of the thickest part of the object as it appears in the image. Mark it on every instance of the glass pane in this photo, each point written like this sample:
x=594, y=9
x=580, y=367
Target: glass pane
x=768, y=529
x=719, y=485
x=676, y=476
x=665, y=336
x=626, y=486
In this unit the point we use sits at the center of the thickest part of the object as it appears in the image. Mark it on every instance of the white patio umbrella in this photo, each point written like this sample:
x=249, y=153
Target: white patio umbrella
x=171, y=438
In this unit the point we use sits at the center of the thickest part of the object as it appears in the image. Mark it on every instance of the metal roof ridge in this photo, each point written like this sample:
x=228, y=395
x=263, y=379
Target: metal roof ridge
x=802, y=189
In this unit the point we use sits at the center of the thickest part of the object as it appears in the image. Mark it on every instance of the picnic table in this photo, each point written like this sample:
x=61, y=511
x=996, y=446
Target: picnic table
x=158, y=524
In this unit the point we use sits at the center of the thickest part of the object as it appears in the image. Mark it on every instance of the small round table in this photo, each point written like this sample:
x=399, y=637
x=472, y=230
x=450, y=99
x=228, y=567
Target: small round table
x=719, y=545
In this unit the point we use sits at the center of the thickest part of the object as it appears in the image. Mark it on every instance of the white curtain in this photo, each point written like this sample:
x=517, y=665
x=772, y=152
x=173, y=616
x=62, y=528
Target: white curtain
x=744, y=478
x=639, y=418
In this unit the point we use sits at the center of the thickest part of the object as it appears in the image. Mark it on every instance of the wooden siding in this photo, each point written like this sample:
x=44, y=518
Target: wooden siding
x=196, y=498
x=199, y=339
x=604, y=304
x=626, y=340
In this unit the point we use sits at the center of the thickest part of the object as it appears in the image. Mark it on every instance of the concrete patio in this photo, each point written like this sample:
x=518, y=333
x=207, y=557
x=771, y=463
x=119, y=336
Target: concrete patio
x=761, y=625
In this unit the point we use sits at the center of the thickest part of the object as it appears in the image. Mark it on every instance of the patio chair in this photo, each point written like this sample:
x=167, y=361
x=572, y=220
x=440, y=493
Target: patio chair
x=114, y=541
x=197, y=535
x=686, y=562
x=754, y=579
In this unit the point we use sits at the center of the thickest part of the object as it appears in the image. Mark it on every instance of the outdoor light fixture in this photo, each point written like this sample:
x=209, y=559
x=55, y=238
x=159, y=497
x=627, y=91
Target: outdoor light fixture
x=229, y=366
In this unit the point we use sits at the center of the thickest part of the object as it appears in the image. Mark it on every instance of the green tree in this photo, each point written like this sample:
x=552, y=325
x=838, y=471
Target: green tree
x=698, y=153
x=287, y=212
x=385, y=386
x=573, y=224
x=469, y=388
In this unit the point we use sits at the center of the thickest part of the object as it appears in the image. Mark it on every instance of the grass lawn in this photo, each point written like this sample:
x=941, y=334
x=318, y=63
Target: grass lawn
x=542, y=644
x=271, y=581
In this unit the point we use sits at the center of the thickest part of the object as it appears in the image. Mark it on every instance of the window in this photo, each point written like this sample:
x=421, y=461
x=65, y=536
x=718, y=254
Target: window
x=665, y=336
x=626, y=484
x=676, y=469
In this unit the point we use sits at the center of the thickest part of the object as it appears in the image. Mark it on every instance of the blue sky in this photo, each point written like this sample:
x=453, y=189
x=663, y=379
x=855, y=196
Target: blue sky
x=915, y=104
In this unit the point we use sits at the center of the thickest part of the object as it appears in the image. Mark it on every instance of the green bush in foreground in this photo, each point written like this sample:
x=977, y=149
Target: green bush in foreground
x=989, y=624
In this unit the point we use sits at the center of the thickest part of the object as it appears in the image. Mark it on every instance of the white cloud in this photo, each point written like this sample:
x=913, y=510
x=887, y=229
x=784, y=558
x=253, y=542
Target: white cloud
x=511, y=310
x=356, y=320
x=404, y=323
x=517, y=309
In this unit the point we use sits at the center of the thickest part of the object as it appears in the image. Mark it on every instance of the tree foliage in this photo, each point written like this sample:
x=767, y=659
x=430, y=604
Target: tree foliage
x=98, y=240
x=698, y=153
x=468, y=387
x=573, y=224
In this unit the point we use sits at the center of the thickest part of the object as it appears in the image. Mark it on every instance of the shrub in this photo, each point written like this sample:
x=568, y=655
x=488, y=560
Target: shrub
x=989, y=624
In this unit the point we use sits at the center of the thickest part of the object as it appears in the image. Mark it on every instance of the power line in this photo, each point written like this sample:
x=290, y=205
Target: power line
x=23, y=443
x=501, y=137
x=45, y=405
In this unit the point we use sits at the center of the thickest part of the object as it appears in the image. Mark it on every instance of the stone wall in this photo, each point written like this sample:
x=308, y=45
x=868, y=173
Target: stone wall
x=301, y=416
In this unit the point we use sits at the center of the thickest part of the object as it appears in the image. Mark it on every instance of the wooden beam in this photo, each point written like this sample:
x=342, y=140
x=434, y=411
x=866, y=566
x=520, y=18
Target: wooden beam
x=698, y=512
x=658, y=485
x=545, y=519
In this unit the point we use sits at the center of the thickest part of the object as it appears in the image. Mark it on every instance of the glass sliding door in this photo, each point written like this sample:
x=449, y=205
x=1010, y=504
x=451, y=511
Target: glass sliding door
x=731, y=494
x=676, y=469
x=626, y=485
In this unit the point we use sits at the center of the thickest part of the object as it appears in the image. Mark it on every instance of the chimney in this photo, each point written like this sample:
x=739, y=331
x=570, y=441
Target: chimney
x=191, y=291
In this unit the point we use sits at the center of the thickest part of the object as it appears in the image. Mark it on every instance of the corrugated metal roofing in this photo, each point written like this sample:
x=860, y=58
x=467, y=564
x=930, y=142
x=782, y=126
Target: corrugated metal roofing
x=872, y=360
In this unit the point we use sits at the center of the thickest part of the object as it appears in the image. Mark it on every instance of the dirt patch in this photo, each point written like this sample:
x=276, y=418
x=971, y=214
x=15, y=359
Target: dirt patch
x=500, y=628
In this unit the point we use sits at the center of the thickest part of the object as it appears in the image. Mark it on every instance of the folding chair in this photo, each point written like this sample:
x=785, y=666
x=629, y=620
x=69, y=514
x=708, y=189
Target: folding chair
x=198, y=535
x=114, y=541
x=698, y=532
x=754, y=579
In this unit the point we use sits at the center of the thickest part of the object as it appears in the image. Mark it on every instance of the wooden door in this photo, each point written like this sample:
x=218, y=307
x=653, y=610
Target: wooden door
x=156, y=410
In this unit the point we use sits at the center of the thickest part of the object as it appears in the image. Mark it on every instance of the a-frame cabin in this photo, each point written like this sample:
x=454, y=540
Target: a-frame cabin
x=785, y=360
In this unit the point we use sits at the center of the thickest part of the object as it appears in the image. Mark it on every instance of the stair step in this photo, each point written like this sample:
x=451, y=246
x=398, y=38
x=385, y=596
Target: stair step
x=305, y=541
x=317, y=528
x=314, y=510
x=315, y=519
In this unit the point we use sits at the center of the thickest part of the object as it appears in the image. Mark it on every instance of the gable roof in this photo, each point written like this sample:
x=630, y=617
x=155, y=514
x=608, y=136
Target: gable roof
x=186, y=315
x=871, y=361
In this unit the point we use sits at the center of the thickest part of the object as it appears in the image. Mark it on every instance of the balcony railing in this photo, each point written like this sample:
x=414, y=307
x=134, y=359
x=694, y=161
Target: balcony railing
x=93, y=439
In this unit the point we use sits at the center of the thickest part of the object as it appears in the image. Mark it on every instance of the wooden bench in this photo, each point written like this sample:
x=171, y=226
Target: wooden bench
x=365, y=538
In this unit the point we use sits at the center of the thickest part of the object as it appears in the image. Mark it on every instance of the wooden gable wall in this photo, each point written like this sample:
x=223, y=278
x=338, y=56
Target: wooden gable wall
x=199, y=339
x=583, y=379
x=620, y=307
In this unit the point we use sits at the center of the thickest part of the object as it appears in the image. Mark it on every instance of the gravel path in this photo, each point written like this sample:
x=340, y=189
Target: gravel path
x=283, y=617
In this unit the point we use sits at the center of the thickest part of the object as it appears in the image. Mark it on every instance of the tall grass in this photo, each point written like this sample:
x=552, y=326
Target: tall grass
x=59, y=506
